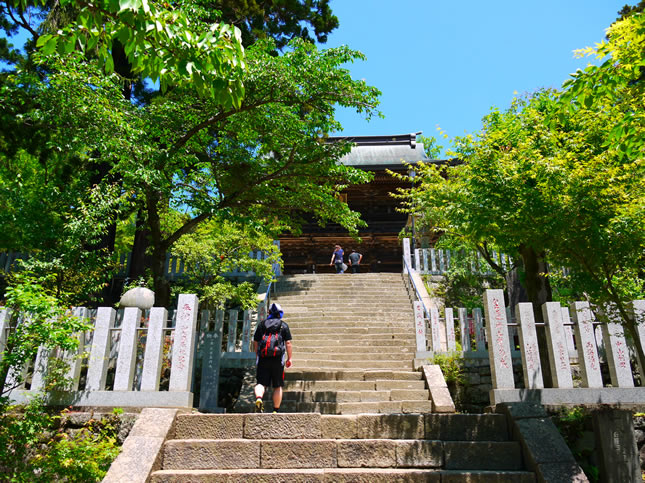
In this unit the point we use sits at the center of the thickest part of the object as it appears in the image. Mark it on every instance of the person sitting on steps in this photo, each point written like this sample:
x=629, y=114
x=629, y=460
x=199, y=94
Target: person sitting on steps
x=272, y=344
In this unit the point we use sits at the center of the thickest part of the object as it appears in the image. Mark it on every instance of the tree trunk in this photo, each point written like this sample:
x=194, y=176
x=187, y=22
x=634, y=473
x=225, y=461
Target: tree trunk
x=138, y=259
x=514, y=289
x=538, y=290
x=159, y=249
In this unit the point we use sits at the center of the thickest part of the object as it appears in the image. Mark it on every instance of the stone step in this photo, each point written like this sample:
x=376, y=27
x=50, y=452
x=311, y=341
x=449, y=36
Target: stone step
x=362, y=331
x=364, y=344
x=444, y=427
x=358, y=297
x=378, y=385
x=367, y=324
x=343, y=453
x=351, y=375
x=360, y=364
x=341, y=475
x=359, y=351
x=357, y=396
x=302, y=355
x=348, y=320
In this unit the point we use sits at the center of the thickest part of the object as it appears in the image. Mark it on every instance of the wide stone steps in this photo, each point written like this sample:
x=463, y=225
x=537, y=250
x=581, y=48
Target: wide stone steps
x=330, y=448
x=377, y=385
x=369, y=395
x=349, y=375
x=348, y=356
x=358, y=330
x=312, y=348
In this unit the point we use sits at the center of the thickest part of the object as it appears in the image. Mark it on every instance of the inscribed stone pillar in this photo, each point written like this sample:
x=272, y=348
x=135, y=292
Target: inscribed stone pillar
x=480, y=336
x=406, y=254
x=586, y=343
x=153, y=356
x=97, y=363
x=499, y=350
x=417, y=260
x=126, y=361
x=616, y=445
x=435, y=330
x=450, y=331
x=419, y=327
x=531, y=366
x=557, y=345
x=463, y=329
x=232, y=330
x=616, y=351
x=183, y=350
x=208, y=395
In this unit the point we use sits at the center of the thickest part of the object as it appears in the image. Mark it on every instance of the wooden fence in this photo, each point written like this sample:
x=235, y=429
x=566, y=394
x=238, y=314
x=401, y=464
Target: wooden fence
x=137, y=359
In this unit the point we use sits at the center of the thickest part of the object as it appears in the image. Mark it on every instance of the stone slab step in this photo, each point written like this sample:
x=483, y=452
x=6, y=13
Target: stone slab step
x=312, y=347
x=360, y=364
x=369, y=395
x=331, y=321
x=195, y=454
x=303, y=355
x=443, y=427
x=344, y=475
x=349, y=375
x=309, y=340
x=376, y=331
x=378, y=385
x=363, y=407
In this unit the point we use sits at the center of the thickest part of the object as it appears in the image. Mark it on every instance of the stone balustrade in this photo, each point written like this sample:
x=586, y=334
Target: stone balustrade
x=134, y=358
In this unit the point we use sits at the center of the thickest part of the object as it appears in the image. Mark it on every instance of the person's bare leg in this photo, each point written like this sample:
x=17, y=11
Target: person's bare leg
x=259, y=394
x=277, y=397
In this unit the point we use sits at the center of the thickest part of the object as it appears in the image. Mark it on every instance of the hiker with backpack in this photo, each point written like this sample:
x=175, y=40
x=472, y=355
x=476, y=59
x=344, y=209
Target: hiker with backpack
x=272, y=343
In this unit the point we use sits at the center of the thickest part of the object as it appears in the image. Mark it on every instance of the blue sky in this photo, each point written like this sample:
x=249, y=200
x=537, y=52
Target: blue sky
x=442, y=63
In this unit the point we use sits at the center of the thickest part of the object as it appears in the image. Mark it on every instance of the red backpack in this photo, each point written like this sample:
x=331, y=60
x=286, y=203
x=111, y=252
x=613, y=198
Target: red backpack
x=272, y=343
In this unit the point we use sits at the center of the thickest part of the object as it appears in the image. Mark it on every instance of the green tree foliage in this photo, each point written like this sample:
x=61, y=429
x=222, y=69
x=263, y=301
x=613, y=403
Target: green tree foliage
x=560, y=176
x=217, y=247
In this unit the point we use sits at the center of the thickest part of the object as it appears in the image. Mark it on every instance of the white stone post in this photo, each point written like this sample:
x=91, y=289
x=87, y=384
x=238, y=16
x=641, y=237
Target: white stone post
x=5, y=319
x=246, y=332
x=450, y=330
x=183, y=350
x=435, y=330
x=126, y=361
x=433, y=261
x=40, y=368
x=153, y=355
x=616, y=351
x=442, y=267
x=464, y=329
x=406, y=254
x=586, y=343
x=480, y=338
x=232, y=330
x=426, y=269
x=568, y=332
x=419, y=327
x=557, y=345
x=73, y=357
x=499, y=351
x=417, y=259
x=97, y=363
x=531, y=367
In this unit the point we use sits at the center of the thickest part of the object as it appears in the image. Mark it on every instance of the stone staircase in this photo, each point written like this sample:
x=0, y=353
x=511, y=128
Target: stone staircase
x=341, y=448
x=353, y=345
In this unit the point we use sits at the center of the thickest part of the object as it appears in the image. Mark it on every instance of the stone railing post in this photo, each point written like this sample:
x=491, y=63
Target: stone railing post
x=557, y=346
x=97, y=364
x=499, y=351
x=126, y=360
x=586, y=342
x=184, y=344
x=529, y=350
x=153, y=357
